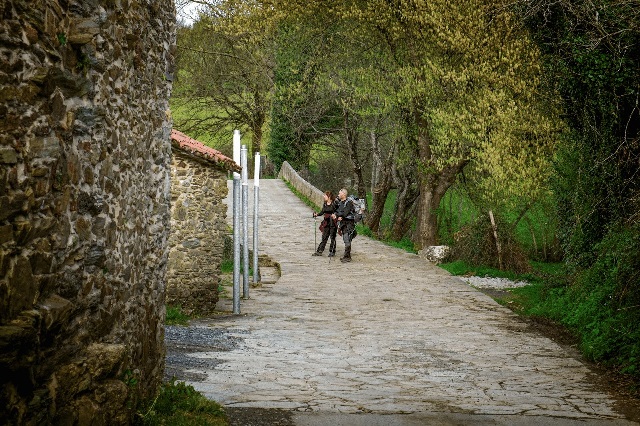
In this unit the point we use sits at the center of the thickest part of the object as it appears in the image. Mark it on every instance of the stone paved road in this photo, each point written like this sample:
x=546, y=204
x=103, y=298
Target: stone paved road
x=388, y=339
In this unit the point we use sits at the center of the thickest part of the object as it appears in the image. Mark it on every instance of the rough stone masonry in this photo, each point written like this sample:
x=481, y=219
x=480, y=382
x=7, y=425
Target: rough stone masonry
x=84, y=206
x=198, y=226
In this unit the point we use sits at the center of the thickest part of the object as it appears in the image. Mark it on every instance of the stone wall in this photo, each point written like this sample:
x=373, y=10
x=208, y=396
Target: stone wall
x=198, y=229
x=84, y=206
x=301, y=185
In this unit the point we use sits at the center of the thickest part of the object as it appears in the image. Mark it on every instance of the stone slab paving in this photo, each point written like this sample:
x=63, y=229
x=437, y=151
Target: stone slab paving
x=388, y=334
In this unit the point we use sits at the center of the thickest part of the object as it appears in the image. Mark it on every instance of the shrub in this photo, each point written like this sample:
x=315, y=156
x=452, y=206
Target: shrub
x=476, y=245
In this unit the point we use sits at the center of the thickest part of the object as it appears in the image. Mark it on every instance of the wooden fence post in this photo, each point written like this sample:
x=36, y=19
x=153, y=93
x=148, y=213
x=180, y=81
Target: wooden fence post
x=495, y=234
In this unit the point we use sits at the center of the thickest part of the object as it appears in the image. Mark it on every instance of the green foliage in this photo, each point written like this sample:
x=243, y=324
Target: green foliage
x=130, y=379
x=591, y=59
x=227, y=266
x=456, y=211
x=533, y=227
x=327, y=169
x=224, y=78
x=182, y=112
x=283, y=145
x=302, y=105
x=178, y=404
x=175, y=316
x=537, y=230
x=601, y=305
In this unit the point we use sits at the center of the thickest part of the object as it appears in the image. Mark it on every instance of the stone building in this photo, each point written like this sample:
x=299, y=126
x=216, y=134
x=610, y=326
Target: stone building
x=198, y=226
x=84, y=206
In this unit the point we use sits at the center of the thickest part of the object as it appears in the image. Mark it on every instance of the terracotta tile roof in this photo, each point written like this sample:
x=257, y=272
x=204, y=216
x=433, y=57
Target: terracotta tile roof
x=189, y=145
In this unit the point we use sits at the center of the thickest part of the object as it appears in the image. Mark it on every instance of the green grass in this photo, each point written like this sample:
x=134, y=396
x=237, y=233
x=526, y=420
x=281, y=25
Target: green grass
x=540, y=271
x=535, y=231
x=455, y=211
x=304, y=199
x=178, y=404
x=227, y=266
x=404, y=244
x=175, y=316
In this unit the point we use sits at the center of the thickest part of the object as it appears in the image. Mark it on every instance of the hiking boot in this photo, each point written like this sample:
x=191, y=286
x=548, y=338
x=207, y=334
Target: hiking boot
x=346, y=257
x=332, y=254
x=317, y=254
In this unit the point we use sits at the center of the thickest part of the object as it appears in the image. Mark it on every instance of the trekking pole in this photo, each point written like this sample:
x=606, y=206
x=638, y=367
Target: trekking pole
x=315, y=233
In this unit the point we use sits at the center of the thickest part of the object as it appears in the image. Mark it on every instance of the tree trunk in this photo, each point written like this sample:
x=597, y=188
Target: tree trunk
x=433, y=188
x=352, y=145
x=256, y=142
x=433, y=185
x=405, y=200
x=257, y=123
x=380, y=192
x=376, y=161
x=402, y=224
x=427, y=226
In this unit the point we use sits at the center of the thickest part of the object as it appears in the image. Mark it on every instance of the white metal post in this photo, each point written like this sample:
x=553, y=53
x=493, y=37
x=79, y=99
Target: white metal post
x=236, y=224
x=256, y=196
x=245, y=223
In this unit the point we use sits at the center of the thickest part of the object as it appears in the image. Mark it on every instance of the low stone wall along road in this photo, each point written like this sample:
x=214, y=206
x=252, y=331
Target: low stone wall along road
x=388, y=339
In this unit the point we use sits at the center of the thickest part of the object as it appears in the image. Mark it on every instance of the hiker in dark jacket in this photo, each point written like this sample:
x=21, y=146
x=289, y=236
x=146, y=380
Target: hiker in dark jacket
x=344, y=215
x=328, y=227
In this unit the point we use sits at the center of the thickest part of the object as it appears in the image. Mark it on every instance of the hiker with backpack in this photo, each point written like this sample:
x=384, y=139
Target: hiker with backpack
x=346, y=216
x=329, y=226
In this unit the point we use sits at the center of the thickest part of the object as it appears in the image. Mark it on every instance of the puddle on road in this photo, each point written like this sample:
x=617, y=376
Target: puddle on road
x=184, y=344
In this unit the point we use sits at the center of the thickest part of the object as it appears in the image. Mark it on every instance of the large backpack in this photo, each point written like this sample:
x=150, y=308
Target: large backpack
x=357, y=212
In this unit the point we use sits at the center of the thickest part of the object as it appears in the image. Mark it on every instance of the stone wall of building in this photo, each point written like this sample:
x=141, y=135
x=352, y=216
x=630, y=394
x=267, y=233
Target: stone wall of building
x=84, y=206
x=198, y=229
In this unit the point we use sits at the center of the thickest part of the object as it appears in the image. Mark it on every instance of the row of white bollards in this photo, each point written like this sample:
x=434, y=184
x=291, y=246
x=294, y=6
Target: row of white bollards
x=241, y=218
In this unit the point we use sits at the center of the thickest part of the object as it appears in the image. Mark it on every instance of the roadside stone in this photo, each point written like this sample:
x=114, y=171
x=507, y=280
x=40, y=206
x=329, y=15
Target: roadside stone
x=435, y=254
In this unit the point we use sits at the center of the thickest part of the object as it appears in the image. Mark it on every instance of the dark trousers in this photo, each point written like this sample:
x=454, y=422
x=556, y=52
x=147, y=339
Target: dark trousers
x=328, y=232
x=348, y=228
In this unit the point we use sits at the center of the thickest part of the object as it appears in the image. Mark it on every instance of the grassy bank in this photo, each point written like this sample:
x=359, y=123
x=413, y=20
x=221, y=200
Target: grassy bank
x=178, y=404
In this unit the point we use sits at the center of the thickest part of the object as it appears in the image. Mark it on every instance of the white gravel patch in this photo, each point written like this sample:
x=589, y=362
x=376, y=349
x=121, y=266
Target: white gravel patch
x=498, y=283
